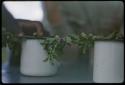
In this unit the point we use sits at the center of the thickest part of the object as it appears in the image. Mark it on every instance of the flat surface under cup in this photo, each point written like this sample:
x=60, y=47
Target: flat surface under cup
x=77, y=72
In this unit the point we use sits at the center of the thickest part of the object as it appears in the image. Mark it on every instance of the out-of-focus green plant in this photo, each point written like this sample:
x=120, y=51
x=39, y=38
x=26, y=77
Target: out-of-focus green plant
x=12, y=41
x=54, y=47
x=54, y=44
x=84, y=41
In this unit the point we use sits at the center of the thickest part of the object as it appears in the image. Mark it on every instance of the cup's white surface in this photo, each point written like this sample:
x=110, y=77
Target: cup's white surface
x=108, y=62
x=32, y=58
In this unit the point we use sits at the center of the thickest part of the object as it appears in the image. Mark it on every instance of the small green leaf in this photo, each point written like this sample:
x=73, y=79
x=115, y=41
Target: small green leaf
x=68, y=39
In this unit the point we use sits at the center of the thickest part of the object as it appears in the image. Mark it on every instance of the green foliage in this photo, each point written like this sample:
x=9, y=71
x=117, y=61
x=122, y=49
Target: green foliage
x=54, y=45
x=83, y=40
x=13, y=43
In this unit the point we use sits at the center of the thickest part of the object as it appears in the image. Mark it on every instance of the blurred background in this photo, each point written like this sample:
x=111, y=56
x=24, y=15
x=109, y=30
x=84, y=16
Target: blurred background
x=66, y=17
x=95, y=17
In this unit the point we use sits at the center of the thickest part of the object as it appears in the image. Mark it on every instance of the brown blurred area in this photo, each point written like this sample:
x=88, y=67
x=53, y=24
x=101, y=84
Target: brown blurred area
x=74, y=17
x=30, y=27
x=97, y=17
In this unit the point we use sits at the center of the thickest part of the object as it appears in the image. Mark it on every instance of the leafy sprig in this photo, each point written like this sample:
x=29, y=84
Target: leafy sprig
x=13, y=42
x=54, y=45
